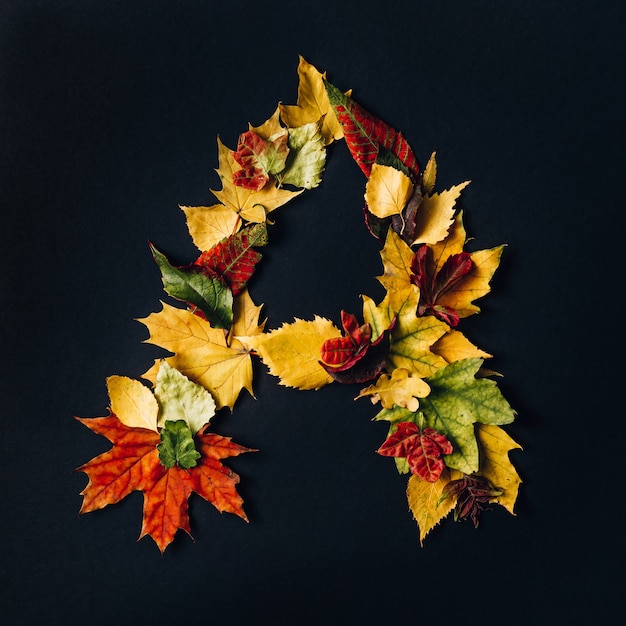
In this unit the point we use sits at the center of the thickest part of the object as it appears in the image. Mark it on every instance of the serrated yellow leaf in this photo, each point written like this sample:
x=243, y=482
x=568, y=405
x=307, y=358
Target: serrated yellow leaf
x=312, y=104
x=252, y=205
x=208, y=225
x=402, y=388
x=423, y=497
x=435, y=215
x=387, y=191
x=200, y=353
x=132, y=402
x=454, y=346
x=292, y=352
x=496, y=466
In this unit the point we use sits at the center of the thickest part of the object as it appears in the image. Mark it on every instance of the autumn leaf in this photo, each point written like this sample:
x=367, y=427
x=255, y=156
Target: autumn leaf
x=312, y=104
x=387, y=191
x=423, y=498
x=210, y=294
x=401, y=388
x=455, y=346
x=496, y=466
x=429, y=175
x=133, y=464
x=208, y=225
x=201, y=353
x=369, y=138
x=307, y=157
x=397, y=257
x=234, y=259
x=132, y=402
x=177, y=447
x=251, y=205
x=292, y=352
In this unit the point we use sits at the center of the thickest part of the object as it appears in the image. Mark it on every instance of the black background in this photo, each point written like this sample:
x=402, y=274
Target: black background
x=109, y=113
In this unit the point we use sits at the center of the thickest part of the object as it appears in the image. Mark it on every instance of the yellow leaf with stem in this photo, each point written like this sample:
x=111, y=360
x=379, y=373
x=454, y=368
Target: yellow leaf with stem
x=252, y=205
x=387, y=191
x=208, y=225
x=312, y=104
x=201, y=353
x=132, y=402
x=292, y=352
x=495, y=466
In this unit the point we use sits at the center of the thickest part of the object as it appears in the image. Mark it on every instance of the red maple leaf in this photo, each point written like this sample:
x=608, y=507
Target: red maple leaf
x=133, y=464
x=421, y=448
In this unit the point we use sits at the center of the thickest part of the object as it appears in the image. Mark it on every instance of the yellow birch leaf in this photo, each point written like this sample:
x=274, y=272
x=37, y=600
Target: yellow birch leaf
x=401, y=388
x=132, y=402
x=423, y=497
x=312, y=104
x=252, y=205
x=454, y=346
x=292, y=352
x=435, y=215
x=208, y=225
x=387, y=191
x=475, y=284
x=496, y=466
x=200, y=353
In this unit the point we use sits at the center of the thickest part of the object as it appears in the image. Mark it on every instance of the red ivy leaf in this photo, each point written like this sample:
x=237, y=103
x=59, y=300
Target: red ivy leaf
x=421, y=448
x=369, y=138
x=234, y=258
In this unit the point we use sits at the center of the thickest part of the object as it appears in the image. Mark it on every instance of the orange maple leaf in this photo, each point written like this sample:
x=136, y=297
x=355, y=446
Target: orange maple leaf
x=133, y=464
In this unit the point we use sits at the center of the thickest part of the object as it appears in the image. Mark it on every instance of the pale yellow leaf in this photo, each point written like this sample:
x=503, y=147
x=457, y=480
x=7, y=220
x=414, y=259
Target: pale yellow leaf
x=132, y=402
x=496, y=466
x=430, y=174
x=423, y=497
x=402, y=388
x=312, y=104
x=200, y=353
x=252, y=205
x=452, y=244
x=292, y=352
x=208, y=225
x=454, y=346
x=435, y=215
x=387, y=191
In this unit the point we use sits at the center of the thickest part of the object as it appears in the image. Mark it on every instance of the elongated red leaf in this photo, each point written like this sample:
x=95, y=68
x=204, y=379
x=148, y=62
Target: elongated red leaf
x=367, y=136
x=234, y=259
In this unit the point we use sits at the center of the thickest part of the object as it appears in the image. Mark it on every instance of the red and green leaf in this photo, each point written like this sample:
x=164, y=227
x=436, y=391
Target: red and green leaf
x=368, y=138
x=259, y=158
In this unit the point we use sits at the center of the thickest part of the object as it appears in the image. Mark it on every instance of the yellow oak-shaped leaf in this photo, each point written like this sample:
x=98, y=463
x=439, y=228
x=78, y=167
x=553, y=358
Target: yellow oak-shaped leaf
x=132, y=402
x=292, y=352
x=387, y=191
x=435, y=215
x=396, y=256
x=312, y=104
x=496, y=466
x=250, y=204
x=423, y=497
x=454, y=346
x=208, y=225
x=201, y=353
x=401, y=388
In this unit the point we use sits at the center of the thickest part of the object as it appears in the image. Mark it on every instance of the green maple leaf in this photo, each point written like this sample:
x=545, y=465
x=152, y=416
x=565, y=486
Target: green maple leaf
x=211, y=295
x=177, y=447
x=456, y=402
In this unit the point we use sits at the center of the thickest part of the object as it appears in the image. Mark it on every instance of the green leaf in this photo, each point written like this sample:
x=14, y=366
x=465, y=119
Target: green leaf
x=457, y=400
x=181, y=399
x=307, y=156
x=177, y=446
x=209, y=294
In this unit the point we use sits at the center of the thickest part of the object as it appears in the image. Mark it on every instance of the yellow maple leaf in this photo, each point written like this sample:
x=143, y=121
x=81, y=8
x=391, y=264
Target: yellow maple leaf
x=454, y=346
x=270, y=128
x=245, y=318
x=292, y=352
x=201, y=353
x=312, y=104
x=132, y=402
x=496, y=466
x=250, y=204
x=208, y=225
x=396, y=256
x=387, y=191
x=435, y=215
x=423, y=498
x=402, y=388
